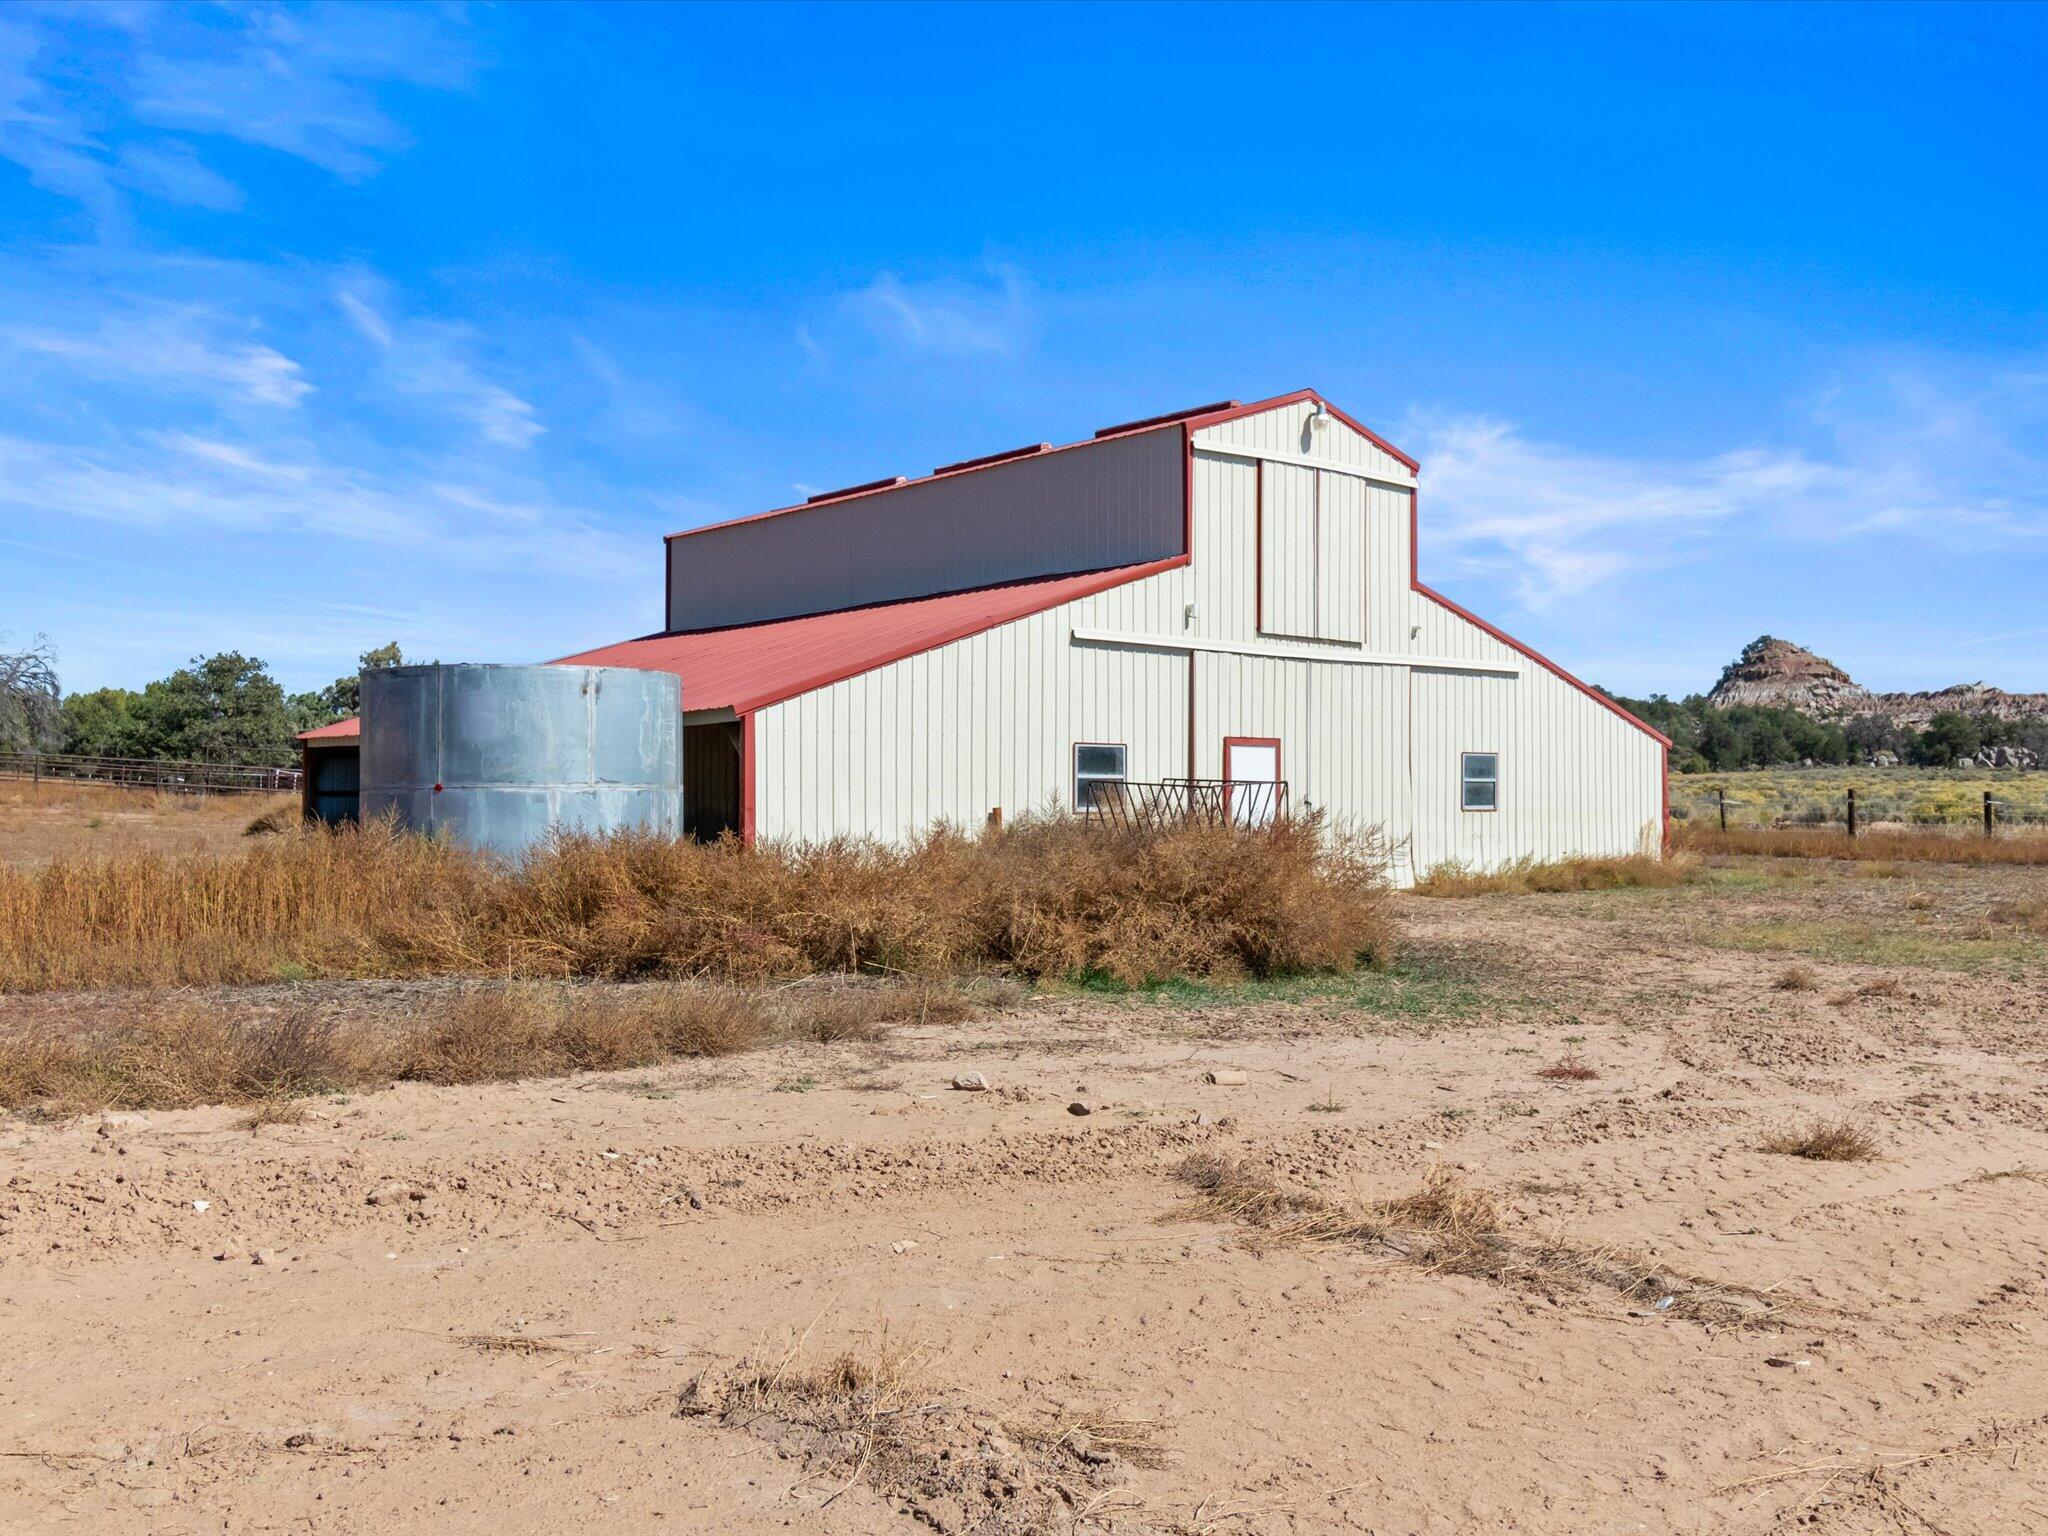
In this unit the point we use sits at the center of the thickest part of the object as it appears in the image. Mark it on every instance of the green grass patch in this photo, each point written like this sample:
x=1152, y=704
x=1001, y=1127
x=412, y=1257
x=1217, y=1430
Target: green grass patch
x=1860, y=943
x=1420, y=985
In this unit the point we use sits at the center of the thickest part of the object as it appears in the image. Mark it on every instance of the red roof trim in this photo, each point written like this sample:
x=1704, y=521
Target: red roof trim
x=1545, y=662
x=1160, y=421
x=1538, y=657
x=886, y=483
x=1216, y=418
x=994, y=458
x=340, y=730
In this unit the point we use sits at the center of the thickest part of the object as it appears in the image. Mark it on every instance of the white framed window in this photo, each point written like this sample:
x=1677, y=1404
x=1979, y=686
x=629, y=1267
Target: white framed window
x=1481, y=787
x=1097, y=763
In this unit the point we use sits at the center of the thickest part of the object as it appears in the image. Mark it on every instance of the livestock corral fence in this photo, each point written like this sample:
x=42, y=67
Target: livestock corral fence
x=149, y=773
x=1128, y=803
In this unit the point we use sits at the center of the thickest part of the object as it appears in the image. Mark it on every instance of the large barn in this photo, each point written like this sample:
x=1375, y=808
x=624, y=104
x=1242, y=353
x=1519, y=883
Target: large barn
x=1220, y=604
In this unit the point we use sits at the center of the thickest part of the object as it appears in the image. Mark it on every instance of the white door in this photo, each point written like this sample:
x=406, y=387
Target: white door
x=1252, y=769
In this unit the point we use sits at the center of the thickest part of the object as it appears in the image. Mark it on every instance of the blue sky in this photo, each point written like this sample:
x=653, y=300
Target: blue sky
x=323, y=327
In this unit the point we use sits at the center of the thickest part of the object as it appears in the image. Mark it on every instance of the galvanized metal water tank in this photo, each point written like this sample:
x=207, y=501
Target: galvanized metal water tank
x=497, y=756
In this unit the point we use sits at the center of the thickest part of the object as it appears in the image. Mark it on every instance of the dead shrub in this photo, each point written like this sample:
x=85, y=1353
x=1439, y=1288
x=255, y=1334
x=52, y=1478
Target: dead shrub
x=1531, y=876
x=1569, y=1068
x=1796, y=978
x=280, y=818
x=274, y=1112
x=1449, y=1228
x=1827, y=1141
x=1049, y=896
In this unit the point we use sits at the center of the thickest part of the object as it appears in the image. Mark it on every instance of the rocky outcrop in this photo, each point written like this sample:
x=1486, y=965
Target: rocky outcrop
x=1777, y=674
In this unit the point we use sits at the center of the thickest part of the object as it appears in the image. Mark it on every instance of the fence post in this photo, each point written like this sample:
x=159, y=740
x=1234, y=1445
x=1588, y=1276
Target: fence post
x=1987, y=813
x=1723, y=793
x=1852, y=813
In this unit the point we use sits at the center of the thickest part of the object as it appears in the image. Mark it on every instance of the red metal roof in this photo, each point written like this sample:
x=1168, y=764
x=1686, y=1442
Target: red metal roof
x=751, y=665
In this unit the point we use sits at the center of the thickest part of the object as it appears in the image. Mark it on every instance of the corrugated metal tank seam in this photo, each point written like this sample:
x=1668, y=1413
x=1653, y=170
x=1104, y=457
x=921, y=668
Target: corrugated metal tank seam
x=1116, y=502
x=496, y=756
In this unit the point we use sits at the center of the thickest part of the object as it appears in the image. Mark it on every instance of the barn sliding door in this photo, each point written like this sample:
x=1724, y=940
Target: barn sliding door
x=1287, y=550
x=1311, y=554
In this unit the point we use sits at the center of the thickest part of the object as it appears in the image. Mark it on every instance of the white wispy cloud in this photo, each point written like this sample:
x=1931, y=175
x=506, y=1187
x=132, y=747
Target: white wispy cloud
x=433, y=360
x=189, y=344
x=1908, y=449
x=172, y=480
x=942, y=317
x=98, y=103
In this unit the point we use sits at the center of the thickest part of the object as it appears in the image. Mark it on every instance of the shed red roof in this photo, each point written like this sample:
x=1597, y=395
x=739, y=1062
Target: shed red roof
x=751, y=665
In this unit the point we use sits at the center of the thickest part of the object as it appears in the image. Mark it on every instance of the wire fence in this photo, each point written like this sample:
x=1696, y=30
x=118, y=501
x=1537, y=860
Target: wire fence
x=149, y=773
x=1983, y=811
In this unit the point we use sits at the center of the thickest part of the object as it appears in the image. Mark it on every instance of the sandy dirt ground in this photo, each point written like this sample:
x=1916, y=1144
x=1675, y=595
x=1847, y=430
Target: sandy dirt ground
x=484, y=1309
x=40, y=822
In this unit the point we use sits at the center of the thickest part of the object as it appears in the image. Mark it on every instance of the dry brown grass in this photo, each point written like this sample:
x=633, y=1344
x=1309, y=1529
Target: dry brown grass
x=178, y=1054
x=274, y=1112
x=1886, y=845
x=1529, y=876
x=1796, y=978
x=1827, y=1141
x=2030, y=914
x=547, y=1029
x=1448, y=1227
x=1047, y=897
x=1570, y=1068
x=59, y=819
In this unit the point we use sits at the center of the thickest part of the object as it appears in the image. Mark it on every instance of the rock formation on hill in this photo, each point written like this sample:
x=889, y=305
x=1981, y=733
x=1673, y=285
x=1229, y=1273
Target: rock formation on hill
x=1778, y=674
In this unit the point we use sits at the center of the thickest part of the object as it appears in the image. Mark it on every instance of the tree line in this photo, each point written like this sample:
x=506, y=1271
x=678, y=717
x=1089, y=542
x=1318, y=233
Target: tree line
x=224, y=708
x=1709, y=739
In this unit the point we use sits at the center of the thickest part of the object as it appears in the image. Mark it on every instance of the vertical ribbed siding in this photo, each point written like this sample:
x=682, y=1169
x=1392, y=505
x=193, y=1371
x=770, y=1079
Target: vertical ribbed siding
x=1578, y=779
x=1287, y=550
x=1340, y=558
x=1116, y=502
x=989, y=721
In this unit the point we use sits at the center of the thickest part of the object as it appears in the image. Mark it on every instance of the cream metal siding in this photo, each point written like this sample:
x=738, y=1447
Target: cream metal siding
x=1114, y=502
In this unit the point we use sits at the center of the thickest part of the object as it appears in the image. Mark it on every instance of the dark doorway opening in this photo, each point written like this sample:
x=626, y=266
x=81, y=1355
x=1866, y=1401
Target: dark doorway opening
x=711, y=780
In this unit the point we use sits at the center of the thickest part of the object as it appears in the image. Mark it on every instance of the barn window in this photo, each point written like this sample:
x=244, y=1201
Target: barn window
x=1095, y=764
x=1482, y=781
